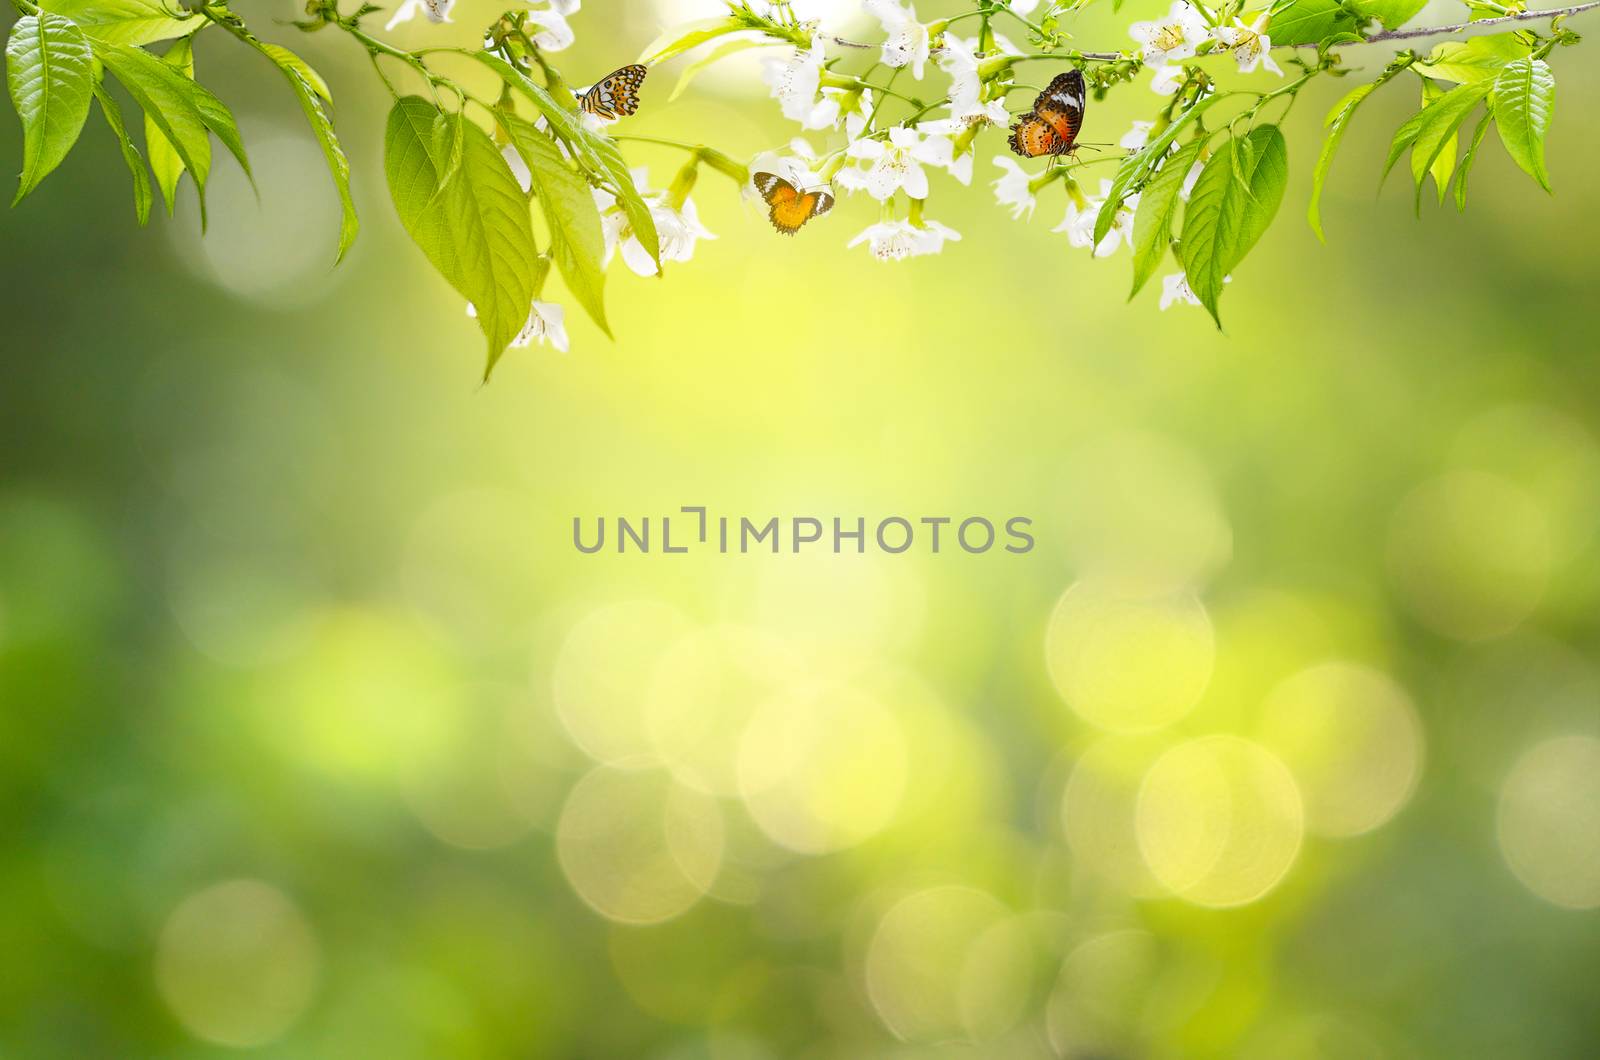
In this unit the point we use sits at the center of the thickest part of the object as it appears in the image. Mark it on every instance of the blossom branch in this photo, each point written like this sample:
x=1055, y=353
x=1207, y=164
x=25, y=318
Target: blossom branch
x=1465, y=27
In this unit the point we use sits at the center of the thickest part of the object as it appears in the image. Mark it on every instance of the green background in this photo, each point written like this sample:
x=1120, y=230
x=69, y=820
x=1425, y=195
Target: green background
x=300, y=673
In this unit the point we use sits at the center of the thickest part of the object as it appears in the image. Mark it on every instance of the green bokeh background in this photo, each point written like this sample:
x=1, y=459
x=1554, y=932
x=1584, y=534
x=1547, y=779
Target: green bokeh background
x=288, y=598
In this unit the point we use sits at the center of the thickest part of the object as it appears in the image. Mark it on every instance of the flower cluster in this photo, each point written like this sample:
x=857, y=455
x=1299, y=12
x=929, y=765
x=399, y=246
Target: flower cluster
x=883, y=119
x=890, y=161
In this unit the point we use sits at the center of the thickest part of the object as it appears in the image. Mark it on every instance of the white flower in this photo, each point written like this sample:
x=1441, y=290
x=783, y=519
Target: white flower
x=894, y=240
x=1175, y=290
x=1012, y=189
x=853, y=106
x=896, y=163
x=436, y=11
x=850, y=104
x=1168, y=79
x=676, y=230
x=1174, y=37
x=546, y=321
x=1079, y=222
x=794, y=167
x=1023, y=7
x=1188, y=181
x=959, y=60
x=1136, y=137
x=957, y=163
x=795, y=81
x=519, y=168
x=1251, y=46
x=908, y=41
x=554, y=34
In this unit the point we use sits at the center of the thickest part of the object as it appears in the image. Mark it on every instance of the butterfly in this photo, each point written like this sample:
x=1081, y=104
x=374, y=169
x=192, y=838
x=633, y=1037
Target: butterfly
x=615, y=94
x=1052, y=128
x=791, y=207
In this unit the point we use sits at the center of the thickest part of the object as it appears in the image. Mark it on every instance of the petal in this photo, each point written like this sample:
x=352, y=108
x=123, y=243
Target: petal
x=915, y=181
x=637, y=258
x=404, y=13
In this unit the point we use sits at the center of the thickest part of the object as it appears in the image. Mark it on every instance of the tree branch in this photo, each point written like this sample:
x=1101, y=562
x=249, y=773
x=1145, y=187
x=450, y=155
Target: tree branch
x=1435, y=31
x=1376, y=38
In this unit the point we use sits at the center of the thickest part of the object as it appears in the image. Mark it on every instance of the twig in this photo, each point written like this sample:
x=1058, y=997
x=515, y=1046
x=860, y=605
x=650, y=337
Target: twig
x=1434, y=31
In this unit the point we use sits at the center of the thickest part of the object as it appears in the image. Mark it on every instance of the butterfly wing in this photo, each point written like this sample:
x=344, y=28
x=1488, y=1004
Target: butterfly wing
x=617, y=93
x=772, y=187
x=1033, y=136
x=1061, y=106
x=788, y=215
x=790, y=207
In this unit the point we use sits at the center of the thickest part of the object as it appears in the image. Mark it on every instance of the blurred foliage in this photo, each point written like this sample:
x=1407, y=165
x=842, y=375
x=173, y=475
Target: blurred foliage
x=320, y=738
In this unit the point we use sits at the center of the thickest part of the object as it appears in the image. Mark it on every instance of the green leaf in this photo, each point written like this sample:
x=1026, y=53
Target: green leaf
x=1436, y=148
x=596, y=153
x=311, y=104
x=478, y=233
x=130, y=154
x=1337, y=121
x=288, y=60
x=1473, y=60
x=164, y=160
x=1524, y=102
x=620, y=181
x=127, y=21
x=50, y=71
x=722, y=51
x=1470, y=157
x=1137, y=167
x=1224, y=219
x=1392, y=13
x=1158, y=204
x=168, y=100
x=681, y=38
x=1427, y=131
x=1307, y=22
x=577, y=242
x=216, y=115
x=563, y=121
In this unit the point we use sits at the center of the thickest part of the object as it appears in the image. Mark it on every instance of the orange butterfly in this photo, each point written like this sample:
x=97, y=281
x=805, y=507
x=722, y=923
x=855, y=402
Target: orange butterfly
x=615, y=94
x=1052, y=128
x=791, y=207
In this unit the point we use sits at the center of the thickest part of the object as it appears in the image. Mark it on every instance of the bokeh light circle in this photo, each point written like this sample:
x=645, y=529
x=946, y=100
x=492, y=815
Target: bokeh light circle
x=603, y=675
x=1128, y=662
x=1469, y=554
x=1547, y=453
x=457, y=793
x=237, y=963
x=1098, y=809
x=1352, y=739
x=1220, y=821
x=264, y=240
x=1097, y=1005
x=822, y=767
x=1549, y=821
x=948, y=963
x=374, y=692
x=706, y=689
x=637, y=846
x=1142, y=508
